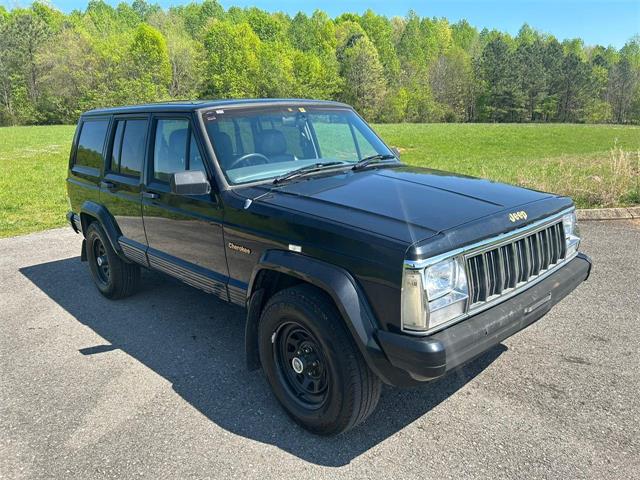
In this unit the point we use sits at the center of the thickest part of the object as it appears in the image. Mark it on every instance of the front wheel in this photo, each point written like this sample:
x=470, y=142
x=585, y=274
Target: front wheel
x=312, y=363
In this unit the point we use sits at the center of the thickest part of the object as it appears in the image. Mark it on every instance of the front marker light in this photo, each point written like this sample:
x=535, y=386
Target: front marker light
x=571, y=233
x=413, y=313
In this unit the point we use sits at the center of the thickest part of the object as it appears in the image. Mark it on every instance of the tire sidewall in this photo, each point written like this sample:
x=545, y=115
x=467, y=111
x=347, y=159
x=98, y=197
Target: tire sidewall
x=330, y=413
x=94, y=234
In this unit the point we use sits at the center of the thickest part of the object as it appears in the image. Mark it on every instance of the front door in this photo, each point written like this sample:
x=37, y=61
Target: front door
x=184, y=232
x=121, y=184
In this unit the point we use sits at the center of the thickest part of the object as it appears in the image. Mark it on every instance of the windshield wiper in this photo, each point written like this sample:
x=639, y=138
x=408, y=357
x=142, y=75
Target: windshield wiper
x=373, y=159
x=305, y=170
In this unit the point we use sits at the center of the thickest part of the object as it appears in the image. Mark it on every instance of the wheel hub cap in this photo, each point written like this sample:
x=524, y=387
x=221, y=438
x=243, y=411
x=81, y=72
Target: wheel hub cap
x=297, y=365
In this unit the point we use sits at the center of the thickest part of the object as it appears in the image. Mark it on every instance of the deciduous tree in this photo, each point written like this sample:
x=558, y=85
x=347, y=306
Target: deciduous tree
x=233, y=66
x=363, y=74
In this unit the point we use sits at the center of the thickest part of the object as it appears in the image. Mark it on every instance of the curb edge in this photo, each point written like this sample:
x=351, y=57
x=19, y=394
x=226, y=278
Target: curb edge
x=624, y=213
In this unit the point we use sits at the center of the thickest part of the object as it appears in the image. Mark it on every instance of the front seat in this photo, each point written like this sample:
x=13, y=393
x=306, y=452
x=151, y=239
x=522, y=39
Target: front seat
x=223, y=147
x=169, y=158
x=177, y=148
x=273, y=145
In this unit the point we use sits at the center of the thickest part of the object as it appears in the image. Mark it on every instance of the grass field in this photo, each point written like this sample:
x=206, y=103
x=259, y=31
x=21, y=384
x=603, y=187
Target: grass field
x=598, y=165
x=33, y=167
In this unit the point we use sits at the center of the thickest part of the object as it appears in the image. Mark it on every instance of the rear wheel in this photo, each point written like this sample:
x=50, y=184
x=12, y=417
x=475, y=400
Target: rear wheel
x=114, y=277
x=313, y=365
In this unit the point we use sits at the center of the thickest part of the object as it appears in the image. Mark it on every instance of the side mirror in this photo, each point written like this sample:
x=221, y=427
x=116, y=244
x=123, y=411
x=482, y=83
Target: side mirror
x=396, y=152
x=190, y=182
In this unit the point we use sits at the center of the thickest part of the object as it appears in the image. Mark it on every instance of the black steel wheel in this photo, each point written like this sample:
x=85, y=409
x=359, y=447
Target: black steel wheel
x=114, y=277
x=301, y=364
x=312, y=363
x=102, y=260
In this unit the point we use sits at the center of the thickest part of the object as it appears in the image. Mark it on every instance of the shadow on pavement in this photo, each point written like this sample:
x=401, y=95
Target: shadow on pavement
x=197, y=343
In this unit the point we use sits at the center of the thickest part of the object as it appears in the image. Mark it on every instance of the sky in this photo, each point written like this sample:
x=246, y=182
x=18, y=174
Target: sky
x=601, y=22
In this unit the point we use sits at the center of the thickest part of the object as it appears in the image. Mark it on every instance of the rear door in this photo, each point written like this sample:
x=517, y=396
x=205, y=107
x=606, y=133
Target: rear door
x=184, y=232
x=121, y=185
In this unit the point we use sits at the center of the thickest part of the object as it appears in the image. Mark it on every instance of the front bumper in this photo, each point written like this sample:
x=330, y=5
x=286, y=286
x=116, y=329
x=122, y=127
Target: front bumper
x=426, y=358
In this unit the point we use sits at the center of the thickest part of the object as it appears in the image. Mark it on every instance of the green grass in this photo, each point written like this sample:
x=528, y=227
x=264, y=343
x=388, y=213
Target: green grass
x=33, y=167
x=598, y=165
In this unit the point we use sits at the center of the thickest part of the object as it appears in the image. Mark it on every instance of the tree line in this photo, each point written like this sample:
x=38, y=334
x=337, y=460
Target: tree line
x=53, y=66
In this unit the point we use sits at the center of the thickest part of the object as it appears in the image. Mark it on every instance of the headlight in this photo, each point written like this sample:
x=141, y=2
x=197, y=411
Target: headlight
x=433, y=295
x=571, y=233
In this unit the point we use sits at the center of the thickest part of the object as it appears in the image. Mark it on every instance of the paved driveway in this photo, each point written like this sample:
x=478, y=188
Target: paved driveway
x=155, y=386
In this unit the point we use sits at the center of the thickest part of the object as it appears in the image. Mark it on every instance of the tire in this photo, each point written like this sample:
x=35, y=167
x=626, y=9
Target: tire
x=114, y=277
x=341, y=391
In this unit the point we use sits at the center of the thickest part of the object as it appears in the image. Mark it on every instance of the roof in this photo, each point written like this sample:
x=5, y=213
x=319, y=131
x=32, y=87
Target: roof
x=190, y=105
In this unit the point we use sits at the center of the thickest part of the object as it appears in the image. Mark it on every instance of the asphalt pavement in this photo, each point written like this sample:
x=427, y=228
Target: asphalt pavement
x=155, y=386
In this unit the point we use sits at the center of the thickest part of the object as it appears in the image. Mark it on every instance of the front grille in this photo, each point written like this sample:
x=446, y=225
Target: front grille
x=501, y=268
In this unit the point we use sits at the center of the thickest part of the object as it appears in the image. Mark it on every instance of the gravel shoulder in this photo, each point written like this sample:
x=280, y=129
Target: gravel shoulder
x=155, y=386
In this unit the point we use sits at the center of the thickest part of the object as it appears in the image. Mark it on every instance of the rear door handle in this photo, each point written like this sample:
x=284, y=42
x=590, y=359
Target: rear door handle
x=150, y=195
x=107, y=185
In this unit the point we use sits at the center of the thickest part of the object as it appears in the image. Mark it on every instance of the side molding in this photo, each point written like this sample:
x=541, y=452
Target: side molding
x=339, y=285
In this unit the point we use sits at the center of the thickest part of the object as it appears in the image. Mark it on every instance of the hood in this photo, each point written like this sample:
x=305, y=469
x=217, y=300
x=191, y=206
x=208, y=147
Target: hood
x=404, y=203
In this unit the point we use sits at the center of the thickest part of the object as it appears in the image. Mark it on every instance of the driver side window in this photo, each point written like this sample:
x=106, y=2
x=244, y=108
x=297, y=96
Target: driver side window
x=175, y=149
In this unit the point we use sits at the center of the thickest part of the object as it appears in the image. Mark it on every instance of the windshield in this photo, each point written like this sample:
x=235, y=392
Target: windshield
x=255, y=144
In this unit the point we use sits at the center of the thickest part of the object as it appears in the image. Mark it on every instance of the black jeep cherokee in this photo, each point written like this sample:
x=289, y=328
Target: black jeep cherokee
x=354, y=268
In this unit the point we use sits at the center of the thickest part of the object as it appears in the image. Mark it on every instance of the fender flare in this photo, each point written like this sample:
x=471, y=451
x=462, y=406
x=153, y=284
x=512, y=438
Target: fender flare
x=339, y=285
x=107, y=222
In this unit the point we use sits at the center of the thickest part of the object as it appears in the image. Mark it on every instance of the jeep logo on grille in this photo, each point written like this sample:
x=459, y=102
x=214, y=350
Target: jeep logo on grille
x=515, y=216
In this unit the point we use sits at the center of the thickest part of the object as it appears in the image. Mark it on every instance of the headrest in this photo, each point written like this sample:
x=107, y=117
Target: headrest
x=222, y=145
x=272, y=142
x=178, y=141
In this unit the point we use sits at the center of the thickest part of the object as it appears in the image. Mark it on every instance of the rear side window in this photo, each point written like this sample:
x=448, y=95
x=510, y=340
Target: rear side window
x=91, y=142
x=175, y=149
x=127, y=154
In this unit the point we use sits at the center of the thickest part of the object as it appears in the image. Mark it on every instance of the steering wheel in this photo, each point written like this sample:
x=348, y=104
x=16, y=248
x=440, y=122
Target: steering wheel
x=244, y=158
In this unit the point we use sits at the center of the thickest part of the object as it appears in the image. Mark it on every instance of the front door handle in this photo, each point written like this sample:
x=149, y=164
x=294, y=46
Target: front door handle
x=107, y=185
x=150, y=195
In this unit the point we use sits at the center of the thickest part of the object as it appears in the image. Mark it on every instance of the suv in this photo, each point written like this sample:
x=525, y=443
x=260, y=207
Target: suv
x=355, y=269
